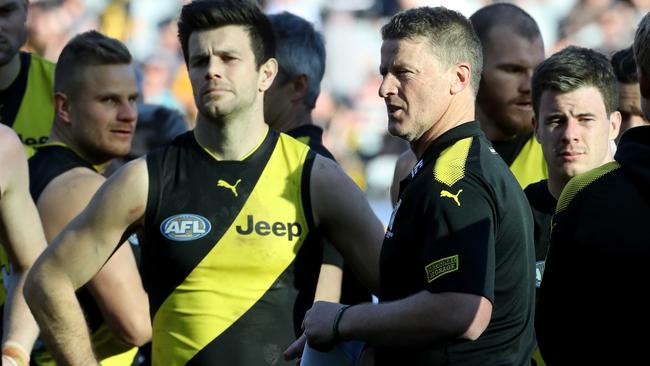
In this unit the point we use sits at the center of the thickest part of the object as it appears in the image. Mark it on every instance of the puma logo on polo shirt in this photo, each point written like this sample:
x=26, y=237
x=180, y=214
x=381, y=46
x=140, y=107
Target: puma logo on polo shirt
x=445, y=193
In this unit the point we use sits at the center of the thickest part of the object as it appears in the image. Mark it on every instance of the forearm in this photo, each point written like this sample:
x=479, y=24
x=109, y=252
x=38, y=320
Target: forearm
x=328, y=287
x=51, y=298
x=117, y=290
x=19, y=325
x=421, y=320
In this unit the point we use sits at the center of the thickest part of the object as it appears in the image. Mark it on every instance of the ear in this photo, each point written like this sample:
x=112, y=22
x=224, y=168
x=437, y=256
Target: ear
x=614, y=124
x=461, y=78
x=62, y=107
x=299, y=87
x=268, y=72
x=535, y=131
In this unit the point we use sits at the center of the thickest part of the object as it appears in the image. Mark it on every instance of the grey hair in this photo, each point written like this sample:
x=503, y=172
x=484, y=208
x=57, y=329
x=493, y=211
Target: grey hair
x=300, y=50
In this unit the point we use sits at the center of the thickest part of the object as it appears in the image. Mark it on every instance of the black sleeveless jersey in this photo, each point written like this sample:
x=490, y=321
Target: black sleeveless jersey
x=219, y=244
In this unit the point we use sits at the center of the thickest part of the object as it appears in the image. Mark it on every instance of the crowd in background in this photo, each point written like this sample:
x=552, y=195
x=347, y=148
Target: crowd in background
x=348, y=108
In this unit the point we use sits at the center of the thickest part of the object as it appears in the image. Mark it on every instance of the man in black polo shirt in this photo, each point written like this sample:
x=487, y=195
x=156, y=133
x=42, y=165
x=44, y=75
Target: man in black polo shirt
x=596, y=268
x=511, y=50
x=456, y=268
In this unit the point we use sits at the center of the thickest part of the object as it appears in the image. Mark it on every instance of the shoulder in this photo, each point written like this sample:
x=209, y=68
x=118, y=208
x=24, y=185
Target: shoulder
x=9, y=142
x=536, y=189
x=583, y=182
x=71, y=187
x=40, y=62
x=11, y=150
x=404, y=163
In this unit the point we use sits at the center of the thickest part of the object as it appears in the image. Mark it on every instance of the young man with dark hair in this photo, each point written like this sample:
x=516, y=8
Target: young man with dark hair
x=222, y=213
x=596, y=268
x=457, y=260
x=96, y=115
x=574, y=95
x=574, y=98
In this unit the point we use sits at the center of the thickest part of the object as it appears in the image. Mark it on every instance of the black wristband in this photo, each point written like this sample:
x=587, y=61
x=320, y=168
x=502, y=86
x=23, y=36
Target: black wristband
x=337, y=320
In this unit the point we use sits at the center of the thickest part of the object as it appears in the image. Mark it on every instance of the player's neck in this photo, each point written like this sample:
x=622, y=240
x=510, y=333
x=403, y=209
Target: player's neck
x=62, y=137
x=456, y=114
x=555, y=185
x=230, y=139
x=9, y=72
x=293, y=118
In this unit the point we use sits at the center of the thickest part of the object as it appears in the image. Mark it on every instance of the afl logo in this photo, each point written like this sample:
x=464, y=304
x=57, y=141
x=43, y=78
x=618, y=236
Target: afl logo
x=185, y=227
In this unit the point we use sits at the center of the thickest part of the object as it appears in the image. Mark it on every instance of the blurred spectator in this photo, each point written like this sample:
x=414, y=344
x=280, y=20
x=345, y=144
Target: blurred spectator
x=629, y=95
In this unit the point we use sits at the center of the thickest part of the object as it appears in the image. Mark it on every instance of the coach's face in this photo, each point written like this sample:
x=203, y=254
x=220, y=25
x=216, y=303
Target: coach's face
x=415, y=87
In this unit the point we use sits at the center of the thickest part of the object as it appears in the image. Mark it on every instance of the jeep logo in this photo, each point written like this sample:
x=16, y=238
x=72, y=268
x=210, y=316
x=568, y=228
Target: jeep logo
x=185, y=227
x=263, y=228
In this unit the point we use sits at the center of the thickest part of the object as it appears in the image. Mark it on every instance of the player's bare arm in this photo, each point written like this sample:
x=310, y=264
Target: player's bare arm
x=77, y=254
x=344, y=215
x=117, y=287
x=22, y=238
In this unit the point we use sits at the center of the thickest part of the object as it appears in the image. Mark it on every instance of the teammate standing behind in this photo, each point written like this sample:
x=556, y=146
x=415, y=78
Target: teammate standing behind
x=300, y=51
x=95, y=100
x=511, y=50
x=22, y=238
x=629, y=96
x=223, y=212
x=575, y=98
x=26, y=80
x=596, y=268
x=457, y=285
x=504, y=105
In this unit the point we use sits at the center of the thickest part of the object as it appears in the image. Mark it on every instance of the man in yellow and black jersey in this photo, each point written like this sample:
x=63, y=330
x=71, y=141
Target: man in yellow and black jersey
x=22, y=239
x=26, y=89
x=223, y=212
x=456, y=267
x=26, y=80
x=300, y=51
x=95, y=99
x=511, y=50
x=596, y=268
x=504, y=107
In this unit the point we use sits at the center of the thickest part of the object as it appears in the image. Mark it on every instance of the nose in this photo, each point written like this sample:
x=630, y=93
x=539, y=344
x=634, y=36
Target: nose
x=387, y=86
x=525, y=84
x=128, y=111
x=571, y=131
x=214, y=69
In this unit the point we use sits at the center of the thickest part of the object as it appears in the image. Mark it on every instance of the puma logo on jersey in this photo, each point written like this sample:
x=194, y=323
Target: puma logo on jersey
x=445, y=193
x=233, y=188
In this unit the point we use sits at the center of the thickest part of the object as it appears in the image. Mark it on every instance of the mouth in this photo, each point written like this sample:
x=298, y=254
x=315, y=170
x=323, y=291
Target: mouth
x=524, y=105
x=393, y=109
x=570, y=155
x=215, y=90
x=122, y=132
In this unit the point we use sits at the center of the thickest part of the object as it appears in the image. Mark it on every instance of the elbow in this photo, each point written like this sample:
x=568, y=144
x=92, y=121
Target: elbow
x=136, y=333
x=480, y=321
x=33, y=288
